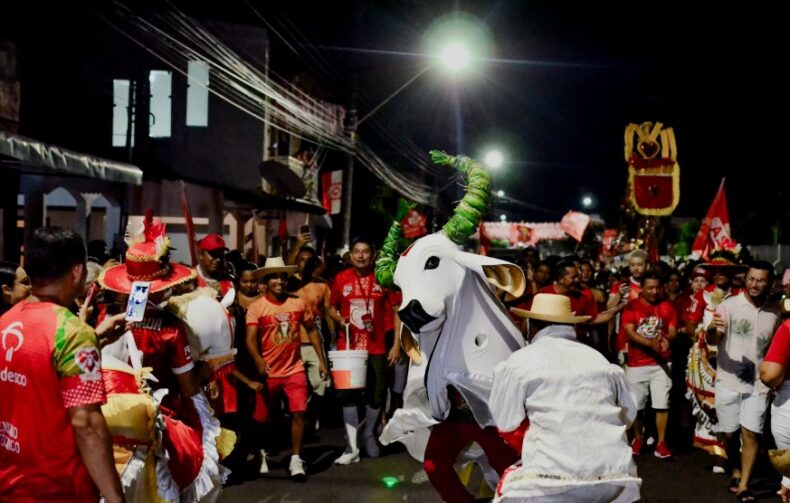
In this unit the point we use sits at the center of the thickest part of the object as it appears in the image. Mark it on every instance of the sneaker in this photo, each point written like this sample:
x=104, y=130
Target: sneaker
x=348, y=457
x=662, y=451
x=317, y=425
x=636, y=447
x=372, y=447
x=296, y=468
x=264, y=469
x=719, y=470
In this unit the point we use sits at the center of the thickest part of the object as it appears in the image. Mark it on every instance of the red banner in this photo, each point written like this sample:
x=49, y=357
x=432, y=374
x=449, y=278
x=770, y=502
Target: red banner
x=332, y=191
x=715, y=230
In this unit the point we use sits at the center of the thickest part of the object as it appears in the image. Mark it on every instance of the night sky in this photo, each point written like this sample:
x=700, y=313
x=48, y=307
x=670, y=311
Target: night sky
x=708, y=71
x=558, y=87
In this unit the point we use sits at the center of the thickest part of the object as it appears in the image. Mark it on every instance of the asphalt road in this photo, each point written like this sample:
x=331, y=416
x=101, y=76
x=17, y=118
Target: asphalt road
x=688, y=477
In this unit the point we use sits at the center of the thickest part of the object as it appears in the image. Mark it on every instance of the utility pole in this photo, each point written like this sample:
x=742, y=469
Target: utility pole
x=348, y=175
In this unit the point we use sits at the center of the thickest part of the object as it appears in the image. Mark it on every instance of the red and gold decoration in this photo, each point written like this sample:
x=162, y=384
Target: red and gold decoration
x=653, y=170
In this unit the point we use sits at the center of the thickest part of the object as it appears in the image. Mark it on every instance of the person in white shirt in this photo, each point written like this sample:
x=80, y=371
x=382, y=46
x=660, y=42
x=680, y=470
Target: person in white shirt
x=742, y=328
x=579, y=407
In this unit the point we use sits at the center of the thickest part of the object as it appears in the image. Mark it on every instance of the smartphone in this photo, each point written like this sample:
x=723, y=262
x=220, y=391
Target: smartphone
x=305, y=229
x=138, y=299
x=93, y=290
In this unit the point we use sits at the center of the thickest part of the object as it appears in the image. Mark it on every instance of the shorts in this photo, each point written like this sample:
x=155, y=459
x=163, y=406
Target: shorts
x=650, y=380
x=310, y=360
x=735, y=409
x=295, y=388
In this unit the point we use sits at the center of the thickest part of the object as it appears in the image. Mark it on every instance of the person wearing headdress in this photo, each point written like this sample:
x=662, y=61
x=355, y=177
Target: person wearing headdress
x=578, y=406
x=192, y=432
x=701, y=366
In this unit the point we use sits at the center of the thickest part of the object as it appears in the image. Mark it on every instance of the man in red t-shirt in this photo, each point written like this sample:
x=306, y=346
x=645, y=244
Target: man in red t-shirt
x=54, y=441
x=650, y=324
x=273, y=339
x=360, y=305
x=626, y=291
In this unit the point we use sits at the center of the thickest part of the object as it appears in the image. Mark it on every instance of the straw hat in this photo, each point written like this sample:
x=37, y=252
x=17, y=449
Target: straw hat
x=273, y=265
x=724, y=259
x=551, y=307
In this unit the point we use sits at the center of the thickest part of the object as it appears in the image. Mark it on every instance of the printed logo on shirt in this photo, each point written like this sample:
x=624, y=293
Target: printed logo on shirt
x=8, y=437
x=347, y=290
x=149, y=324
x=87, y=359
x=649, y=327
x=283, y=334
x=357, y=310
x=377, y=288
x=12, y=339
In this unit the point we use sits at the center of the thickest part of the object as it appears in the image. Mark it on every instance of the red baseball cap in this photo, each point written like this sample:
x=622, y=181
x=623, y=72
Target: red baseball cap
x=211, y=242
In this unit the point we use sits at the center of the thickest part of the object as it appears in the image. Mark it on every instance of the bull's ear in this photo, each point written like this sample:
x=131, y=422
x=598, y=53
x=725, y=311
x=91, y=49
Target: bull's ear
x=502, y=275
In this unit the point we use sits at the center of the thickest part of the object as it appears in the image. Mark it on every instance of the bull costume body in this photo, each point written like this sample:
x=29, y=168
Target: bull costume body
x=459, y=328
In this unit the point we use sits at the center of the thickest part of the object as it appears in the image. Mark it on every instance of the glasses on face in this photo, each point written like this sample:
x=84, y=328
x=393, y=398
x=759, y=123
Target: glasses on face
x=25, y=283
x=761, y=281
x=216, y=254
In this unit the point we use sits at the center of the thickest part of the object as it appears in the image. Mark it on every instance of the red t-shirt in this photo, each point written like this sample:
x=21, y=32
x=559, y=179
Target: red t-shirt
x=650, y=321
x=50, y=361
x=360, y=298
x=278, y=331
x=633, y=294
x=779, y=351
x=163, y=340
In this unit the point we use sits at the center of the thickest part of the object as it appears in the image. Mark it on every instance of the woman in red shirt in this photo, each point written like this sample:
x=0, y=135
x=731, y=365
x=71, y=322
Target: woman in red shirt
x=773, y=373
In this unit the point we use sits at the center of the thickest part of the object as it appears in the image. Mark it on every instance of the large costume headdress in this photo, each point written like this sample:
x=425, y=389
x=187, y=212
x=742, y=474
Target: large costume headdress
x=147, y=259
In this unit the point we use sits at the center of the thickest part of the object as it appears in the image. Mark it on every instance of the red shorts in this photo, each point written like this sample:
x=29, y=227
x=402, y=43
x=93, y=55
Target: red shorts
x=295, y=388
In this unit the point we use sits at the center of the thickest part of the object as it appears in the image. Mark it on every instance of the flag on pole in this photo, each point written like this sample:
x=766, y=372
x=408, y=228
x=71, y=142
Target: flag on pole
x=574, y=223
x=715, y=230
x=189, y=224
x=332, y=191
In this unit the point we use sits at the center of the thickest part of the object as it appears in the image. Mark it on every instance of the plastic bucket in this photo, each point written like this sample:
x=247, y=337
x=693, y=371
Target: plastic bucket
x=349, y=368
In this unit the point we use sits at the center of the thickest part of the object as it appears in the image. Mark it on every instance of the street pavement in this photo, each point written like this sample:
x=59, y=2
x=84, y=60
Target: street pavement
x=396, y=477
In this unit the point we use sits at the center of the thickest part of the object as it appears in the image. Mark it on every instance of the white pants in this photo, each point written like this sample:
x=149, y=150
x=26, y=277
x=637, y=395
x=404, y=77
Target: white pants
x=649, y=380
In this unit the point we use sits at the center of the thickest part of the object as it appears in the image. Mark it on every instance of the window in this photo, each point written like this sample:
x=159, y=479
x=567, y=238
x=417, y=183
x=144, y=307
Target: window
x=197, y=93
x=120, y=113
x=161, y=85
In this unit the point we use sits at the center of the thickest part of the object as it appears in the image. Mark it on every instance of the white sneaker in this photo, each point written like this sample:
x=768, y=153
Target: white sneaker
x=348, y=457
x=317, y=425
x=296, y=468
x=264, y=469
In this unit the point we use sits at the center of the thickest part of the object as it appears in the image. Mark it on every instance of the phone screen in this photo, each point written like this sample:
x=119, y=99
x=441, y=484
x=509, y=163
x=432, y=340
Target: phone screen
x=138, y=298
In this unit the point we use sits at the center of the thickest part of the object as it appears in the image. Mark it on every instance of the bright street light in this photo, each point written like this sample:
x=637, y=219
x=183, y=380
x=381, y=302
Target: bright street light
x=503, y=217
x=587, y=201
x=500, y=193
x=455, y=56
x=494, y=159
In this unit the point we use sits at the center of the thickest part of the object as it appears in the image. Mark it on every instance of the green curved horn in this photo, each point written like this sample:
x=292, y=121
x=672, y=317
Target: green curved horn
x=388, y=259
x=468, y=214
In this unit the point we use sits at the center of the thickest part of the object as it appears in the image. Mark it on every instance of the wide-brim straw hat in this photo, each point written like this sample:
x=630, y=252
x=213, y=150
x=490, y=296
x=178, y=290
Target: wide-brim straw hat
x=551, y=307
x=722, y=263
x=273, y=265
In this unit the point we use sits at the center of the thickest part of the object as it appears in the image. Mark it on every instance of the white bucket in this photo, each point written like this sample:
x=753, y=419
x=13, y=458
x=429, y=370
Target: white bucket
x=349, y=368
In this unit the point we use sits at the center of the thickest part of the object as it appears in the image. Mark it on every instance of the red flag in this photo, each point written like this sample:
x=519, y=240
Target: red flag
x=413, y=225
x=332, y=191
x=715, y=230
x=574, y=223
x=190, y=225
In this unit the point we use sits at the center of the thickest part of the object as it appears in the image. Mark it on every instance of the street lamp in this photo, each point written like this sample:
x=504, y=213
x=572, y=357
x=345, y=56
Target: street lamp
x=503, y=217
x=587, y=201
x=455, y=56
x=500, y=193
x=494, y=159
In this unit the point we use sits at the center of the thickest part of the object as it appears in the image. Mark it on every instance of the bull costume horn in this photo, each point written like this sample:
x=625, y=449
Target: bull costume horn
x=470, y=211
x=388, y=259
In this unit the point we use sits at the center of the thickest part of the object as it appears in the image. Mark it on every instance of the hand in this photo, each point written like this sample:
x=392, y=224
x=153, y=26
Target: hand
x=394, y=356
x=323, y=371
x=303, y=239
x=718, y=322
x=212, y=390
x=85, y=313
x=663, y=344
x=255, y=386
x=625, y=289
x=262, y=367
x=784, y=494
x=111, y=328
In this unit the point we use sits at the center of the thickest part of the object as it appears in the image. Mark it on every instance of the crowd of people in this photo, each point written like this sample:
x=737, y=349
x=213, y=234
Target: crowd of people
x=703, y=344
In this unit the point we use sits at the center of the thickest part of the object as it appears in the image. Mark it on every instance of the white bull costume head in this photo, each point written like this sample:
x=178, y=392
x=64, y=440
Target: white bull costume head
x=450, y=306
